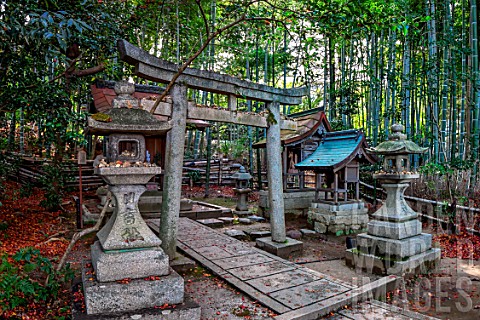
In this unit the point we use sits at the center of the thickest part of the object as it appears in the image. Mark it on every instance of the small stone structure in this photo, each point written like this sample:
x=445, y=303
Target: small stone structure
x=242, y=178
x=337, y=207
x=394, y=243
x=129, y=269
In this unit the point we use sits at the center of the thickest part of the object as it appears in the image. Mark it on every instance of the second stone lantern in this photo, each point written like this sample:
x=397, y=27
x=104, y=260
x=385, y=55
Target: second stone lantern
x=242, y=179
x=394, y=242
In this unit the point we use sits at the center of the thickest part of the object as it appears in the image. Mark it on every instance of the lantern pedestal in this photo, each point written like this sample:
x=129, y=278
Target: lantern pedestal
x=394, y=243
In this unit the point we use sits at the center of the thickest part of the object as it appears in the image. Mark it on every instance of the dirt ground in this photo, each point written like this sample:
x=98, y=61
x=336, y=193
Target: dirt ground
x=451, y=292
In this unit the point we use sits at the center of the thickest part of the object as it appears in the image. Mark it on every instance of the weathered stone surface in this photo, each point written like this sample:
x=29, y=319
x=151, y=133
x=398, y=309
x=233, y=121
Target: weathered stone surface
x=186, y=204
x=126, y=229
x=150, y=203
x=212, y=223
x=173, y=170
x=294, y=234
x=129, y=121
x=227, y=220
x=307, y=233
x=292, y=200
x=127, y=176
x=256, y=218
x=133, y=264
x=181, y=263
x=283, y=280
x=394, y=248
x=162, y=71
x=115, y=154
x=274, y=174
x=290, y=247
x=395, y=208
x=241, y=261
x=111, y=297
x=308, y=293
x=334, y=228
x=255, y=234
x=237, y=234
x=394, y=230
x=332, y=218
x=261, y=270
x=188, y=310
x=320, y=227
x=422, y=262
x=245, y=221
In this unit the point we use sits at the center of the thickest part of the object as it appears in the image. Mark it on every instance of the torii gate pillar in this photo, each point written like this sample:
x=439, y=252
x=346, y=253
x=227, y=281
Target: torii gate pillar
x=278, y=243
x=172, y=185
x=274, y=170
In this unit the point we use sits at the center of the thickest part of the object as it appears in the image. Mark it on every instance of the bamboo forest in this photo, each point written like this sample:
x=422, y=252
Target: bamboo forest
x=298, y=126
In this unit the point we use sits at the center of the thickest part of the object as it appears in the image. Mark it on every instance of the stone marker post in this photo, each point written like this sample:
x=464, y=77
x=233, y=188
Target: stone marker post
x=274, y=173
x=172, y=185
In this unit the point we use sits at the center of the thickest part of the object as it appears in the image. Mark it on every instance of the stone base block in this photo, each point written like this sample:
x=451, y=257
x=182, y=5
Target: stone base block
x=292, y=201
x=286, y=249
x=181, y=263
x=189, y=310
x=212, y=223
x=348, y=206
x=332, y=218
x=395, y=230
x=420, y=263
x=150, y=202
x=132, y=264
x=116, y=297
x=244, y=213
x=391, y=248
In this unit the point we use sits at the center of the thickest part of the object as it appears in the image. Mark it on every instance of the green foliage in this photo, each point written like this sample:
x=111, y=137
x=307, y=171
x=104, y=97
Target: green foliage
x=53, y=183
x=194, y=176
x=29, y=278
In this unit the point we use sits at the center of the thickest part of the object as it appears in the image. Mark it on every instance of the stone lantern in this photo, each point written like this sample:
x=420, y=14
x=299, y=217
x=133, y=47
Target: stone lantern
x=126, y=247
x=242, y=179
x=394, y=242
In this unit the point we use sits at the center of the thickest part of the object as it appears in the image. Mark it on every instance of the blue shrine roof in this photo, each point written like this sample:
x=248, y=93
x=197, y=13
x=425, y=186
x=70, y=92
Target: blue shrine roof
x=336, y=150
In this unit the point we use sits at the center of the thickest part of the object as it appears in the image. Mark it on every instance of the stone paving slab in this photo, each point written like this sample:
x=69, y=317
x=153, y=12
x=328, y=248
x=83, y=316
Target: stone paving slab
x=259, y=270
x=279, y=281
x=308, y=293
x=292, y=291
x=241, y=261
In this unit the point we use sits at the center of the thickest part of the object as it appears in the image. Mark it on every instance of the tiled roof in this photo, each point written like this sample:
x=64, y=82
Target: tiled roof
x=336, y=150
x=307, y=124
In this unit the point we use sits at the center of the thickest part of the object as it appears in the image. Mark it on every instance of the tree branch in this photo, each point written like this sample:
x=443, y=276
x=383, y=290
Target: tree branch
x=190, y=60
x=77, y=236
x=204, y=17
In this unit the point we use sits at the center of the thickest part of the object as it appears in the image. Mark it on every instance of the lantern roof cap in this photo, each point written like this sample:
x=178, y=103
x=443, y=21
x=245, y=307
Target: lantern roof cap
x=397, y=144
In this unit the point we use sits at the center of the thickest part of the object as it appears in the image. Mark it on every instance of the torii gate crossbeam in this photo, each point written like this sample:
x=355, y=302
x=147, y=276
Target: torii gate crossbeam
x=155, y=69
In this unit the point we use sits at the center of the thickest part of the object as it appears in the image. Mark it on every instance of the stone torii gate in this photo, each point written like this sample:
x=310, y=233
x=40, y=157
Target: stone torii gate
x=152, y=68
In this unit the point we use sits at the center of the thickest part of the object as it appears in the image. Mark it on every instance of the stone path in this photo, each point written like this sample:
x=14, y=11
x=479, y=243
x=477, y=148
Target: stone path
x=290, y=290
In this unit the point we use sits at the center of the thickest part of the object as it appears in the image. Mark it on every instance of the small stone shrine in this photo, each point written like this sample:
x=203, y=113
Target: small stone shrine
x=337, y=207
x=129, y=269
x=242, y=178
x=394, y=243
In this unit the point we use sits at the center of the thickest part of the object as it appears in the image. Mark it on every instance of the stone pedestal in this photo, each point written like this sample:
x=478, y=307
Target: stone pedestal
x=130, y=294
x=338, y=218
x=394, y=243
x=241, y=209
x=289, y=248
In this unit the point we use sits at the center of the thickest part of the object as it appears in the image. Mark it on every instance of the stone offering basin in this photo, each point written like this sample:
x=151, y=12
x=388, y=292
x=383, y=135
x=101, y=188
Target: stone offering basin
x=130, y=175
x=395, y=177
